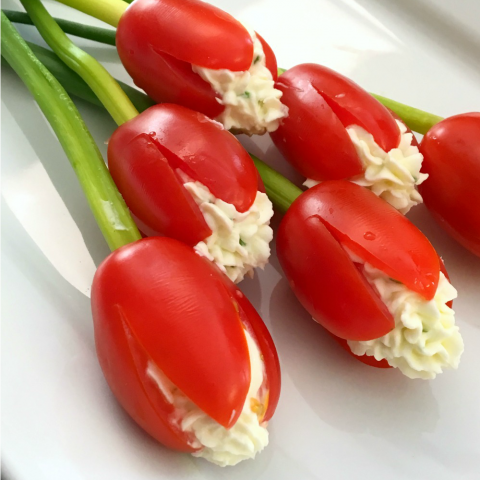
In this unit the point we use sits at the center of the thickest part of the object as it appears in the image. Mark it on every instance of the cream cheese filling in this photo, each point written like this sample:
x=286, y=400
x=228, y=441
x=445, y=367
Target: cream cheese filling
x=392, y=175
x=240, y=242
x=425, y=339
x=252, y=103
x=217, y=444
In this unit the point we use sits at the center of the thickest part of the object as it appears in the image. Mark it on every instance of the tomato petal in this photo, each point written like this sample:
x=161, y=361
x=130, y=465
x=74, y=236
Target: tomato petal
x=166, y=79
x=151, y=189
x=312, y=138
x=191, y=31
x=451, y=151
x=324, y=278
x=353, y=105
x=178, y=311
x=202, y=149
x=376, y=232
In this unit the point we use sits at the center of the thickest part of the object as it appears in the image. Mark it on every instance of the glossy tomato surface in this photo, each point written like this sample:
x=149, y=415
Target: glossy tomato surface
x=313, y=241
x=322, y=103
x=451, y=151
x=158, y=41
x=157, y=302
x=326, y=281
x=151, y=156
x=370, y=228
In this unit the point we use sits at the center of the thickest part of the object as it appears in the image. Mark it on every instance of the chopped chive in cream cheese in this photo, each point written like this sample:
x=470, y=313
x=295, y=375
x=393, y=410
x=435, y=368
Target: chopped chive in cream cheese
x=240, y=242
x=252, y=103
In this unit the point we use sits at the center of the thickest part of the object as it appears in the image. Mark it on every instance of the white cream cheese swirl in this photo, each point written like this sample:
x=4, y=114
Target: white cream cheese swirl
x=252, y=103
x=391, y=175
x=240, y=242
x=425, y=339
x=217, y=444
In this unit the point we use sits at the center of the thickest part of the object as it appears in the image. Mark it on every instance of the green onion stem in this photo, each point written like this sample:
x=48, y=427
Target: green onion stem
x=281, y=191
x=97, y=34
x=418, y=120
x=76, y=86
x=107, y=205
x=100, y=81
x=108, y=11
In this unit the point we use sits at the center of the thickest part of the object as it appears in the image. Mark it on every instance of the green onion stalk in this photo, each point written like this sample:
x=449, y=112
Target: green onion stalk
x=110, y=11
x=106, y=203
x=87, y=85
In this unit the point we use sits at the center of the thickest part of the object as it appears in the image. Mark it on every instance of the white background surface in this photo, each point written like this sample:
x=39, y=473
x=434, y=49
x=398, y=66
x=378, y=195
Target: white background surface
x=337, y=419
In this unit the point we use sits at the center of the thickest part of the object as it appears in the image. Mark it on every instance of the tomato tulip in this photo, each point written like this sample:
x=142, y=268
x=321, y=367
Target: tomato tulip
x=451, y=151
x=151, y=157
x=322, y=103
x=156, y=302
x=159, y=40
x=336, y=130
x=316, y=238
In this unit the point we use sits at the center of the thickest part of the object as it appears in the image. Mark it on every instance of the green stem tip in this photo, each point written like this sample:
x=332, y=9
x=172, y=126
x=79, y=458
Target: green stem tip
x=108, y=11
x=97, y=34
x=281, y=191
x=100, y=81
x=108, y=207
x=416, y=119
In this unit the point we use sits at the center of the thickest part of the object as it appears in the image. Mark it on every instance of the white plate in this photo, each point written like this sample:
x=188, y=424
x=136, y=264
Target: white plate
x=337, y=419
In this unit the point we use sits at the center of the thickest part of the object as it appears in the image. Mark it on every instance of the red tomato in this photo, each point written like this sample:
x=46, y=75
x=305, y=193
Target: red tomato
x=147, y=155
x=451, y=151
x=157, y=302
x=376, y=232
x=159, y=40
x=312, y=138
x=322, y=103
x=326, y=281
x=310, y=246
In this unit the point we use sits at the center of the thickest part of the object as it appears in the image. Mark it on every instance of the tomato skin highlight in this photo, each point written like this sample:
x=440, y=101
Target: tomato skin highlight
x=310, y=246
x=451, y=151
x=146, y=155
x=157, y=301
x=322, y=103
